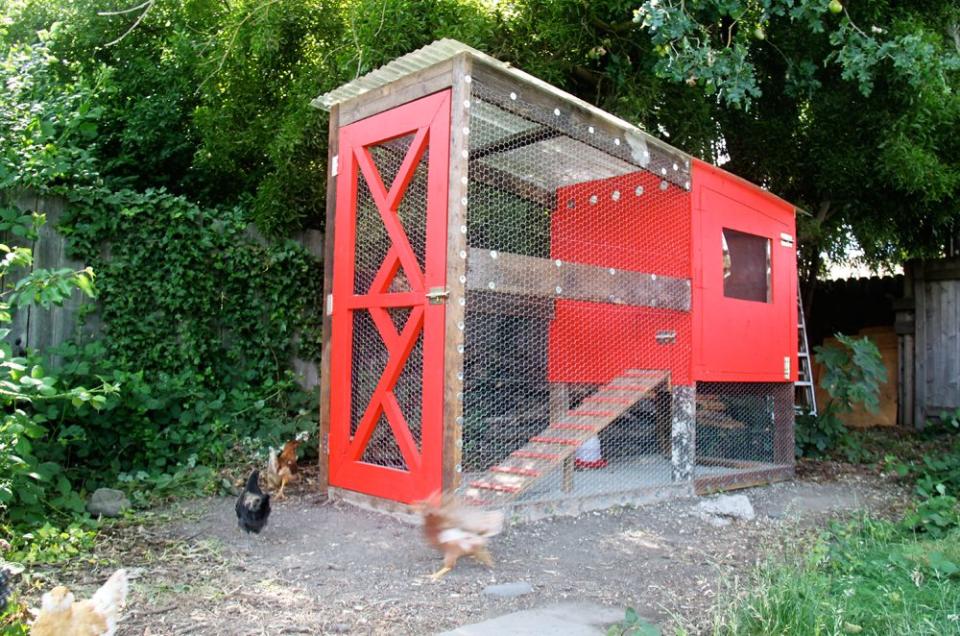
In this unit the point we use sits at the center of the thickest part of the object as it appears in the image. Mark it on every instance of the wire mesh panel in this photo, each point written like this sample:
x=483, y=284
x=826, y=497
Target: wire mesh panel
x=744, y=433
x=577, y=316
x=370, y=354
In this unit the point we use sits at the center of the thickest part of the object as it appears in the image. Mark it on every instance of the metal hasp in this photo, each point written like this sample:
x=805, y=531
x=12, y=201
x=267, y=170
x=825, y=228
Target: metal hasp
x=437, y=295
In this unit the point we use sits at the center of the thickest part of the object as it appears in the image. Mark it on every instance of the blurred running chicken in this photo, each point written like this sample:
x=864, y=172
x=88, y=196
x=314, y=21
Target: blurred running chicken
x=61, y=615
x=283, y=469
x=457, y=530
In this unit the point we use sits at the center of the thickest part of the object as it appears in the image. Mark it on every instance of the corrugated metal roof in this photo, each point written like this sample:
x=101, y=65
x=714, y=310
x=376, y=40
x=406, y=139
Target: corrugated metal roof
x=434, y=53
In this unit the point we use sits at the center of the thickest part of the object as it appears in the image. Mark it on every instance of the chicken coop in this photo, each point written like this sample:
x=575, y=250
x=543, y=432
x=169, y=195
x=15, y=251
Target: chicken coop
x=537, y=304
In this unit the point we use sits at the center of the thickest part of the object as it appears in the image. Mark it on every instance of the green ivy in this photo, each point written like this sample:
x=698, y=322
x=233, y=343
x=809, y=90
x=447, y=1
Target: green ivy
x=199, y=317
x=183, y=288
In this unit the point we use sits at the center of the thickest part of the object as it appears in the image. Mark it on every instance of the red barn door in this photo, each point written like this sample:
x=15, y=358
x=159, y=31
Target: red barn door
x=387, y=338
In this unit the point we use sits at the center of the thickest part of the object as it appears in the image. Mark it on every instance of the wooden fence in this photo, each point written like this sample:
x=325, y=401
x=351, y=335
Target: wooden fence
x=928, y=328
x=38, y=328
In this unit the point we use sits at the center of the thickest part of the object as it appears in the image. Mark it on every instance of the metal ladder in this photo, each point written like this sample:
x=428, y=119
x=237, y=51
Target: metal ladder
x=805, y=398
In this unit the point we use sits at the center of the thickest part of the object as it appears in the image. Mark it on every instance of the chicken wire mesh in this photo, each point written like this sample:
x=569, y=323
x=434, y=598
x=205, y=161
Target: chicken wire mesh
x=370, y=356
x=577, y=315
x=578, y=344
x=744, y=433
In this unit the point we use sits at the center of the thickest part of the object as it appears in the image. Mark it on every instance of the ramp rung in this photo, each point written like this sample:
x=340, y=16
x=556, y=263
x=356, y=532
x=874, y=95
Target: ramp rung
x=487, y=485
x=556, y=440
x=516, y=470
x=535, y=455
x=611, y=400
x=625, y=387
x=570, y=426
x=592, y=413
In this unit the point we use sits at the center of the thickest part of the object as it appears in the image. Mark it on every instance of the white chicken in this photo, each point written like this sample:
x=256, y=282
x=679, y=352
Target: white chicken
x=61, y=615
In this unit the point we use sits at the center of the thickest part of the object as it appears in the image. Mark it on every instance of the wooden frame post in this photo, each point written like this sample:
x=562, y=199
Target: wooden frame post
x=683, y=434
x=323, y=462
x=559, y=405
x=456, y=274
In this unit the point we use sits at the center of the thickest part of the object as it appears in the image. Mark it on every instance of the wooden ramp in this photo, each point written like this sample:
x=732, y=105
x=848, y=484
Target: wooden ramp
x=547, y=451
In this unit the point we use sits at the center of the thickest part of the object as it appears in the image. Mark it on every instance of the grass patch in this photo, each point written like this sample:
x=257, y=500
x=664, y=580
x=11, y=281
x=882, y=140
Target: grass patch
x=865, y=577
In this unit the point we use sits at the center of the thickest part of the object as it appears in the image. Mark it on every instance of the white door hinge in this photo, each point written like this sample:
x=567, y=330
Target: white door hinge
x=334, y=165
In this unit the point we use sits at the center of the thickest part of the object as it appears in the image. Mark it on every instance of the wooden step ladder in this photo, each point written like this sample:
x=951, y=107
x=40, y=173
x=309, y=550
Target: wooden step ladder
x=548, y=451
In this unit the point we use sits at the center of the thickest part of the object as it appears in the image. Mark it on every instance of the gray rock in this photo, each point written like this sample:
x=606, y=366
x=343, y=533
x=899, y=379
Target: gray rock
x=508, y=590
x=107, y=502
x=573, y=619
x=729, y=506
x=715, y=521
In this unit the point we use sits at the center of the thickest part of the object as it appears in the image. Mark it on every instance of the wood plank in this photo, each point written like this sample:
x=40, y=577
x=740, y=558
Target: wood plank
x=514, y=141
x=747, y=479
x=506, y=273
x=919, y=346
x=559, y=405
x=454, y=317
x=503, y=180
x=324, y=395
x=488, y=302
x=406, y=89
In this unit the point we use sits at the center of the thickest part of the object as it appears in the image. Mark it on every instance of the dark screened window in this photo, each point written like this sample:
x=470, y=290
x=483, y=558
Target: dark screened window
x=746, y=266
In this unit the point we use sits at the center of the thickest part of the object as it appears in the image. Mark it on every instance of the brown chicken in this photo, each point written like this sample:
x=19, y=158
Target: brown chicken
x=61, y=615
x=457, y=530
x=283, y=469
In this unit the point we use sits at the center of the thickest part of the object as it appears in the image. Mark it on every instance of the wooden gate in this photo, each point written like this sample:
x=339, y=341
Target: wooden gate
x=387, y=337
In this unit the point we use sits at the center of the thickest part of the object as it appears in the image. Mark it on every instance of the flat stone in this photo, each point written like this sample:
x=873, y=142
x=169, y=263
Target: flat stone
x=107, y=502
x=569, y=619
x=714, y=520
x=508, y=590
x=732, y=506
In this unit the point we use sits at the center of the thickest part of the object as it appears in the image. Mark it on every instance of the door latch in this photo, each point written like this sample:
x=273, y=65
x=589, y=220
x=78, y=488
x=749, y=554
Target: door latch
x=437, y=295
x=666, y=337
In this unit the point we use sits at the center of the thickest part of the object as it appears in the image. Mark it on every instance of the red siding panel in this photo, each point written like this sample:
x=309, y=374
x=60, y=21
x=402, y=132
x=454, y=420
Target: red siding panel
x=739, y=340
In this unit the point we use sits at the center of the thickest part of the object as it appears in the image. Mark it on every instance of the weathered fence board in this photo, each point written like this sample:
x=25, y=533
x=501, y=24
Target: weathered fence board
x=35, y=327
x=928, y=326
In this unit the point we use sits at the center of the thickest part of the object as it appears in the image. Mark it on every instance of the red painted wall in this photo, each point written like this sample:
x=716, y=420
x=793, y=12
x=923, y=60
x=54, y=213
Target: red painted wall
x=606, y=223
x=738, y=340
x=672, y=232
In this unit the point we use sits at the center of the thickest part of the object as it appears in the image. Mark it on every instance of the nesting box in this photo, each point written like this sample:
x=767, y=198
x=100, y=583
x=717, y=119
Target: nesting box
x=513, y=274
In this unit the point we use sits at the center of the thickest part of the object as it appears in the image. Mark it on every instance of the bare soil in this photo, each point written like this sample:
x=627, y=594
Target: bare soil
x=327, y=568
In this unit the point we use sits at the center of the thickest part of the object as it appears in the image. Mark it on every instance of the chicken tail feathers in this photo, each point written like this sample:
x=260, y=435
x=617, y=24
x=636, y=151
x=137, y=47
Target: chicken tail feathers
x=111, y=596
x=253, y=482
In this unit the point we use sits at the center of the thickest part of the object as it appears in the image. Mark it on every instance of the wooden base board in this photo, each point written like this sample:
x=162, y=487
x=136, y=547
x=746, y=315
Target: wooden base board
x=746, y=479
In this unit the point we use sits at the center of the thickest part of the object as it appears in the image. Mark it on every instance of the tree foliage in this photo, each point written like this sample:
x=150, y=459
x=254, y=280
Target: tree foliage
x=851, y=115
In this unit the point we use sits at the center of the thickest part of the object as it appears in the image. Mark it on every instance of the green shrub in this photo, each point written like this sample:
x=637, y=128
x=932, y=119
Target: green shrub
x=853, y=373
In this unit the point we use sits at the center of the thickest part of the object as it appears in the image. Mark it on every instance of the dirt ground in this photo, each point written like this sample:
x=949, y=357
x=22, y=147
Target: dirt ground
x=322, y=568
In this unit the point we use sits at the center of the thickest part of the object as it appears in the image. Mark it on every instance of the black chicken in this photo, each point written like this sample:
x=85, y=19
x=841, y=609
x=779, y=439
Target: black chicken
x=253, y=507
x=6, y=588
